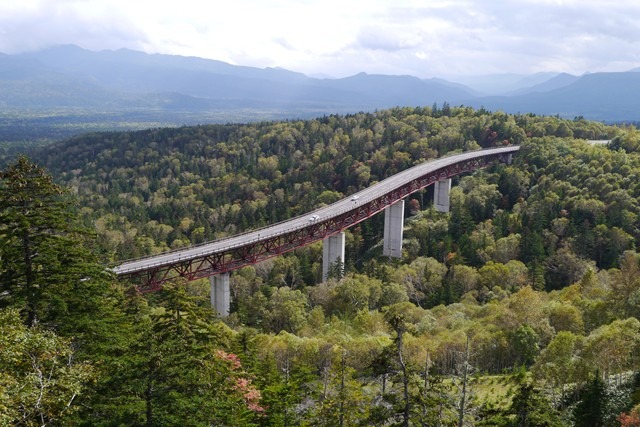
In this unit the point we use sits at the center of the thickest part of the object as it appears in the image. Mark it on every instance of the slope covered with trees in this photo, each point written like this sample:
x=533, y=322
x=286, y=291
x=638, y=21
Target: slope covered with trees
x=519, y=307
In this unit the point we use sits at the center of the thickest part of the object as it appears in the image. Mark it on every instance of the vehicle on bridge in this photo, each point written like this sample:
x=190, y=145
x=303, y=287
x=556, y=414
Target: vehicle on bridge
x=231, y=253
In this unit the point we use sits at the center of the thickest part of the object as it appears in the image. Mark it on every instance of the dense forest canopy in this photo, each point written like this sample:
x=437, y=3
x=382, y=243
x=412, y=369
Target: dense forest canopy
x=210, y=181
x=519, y=307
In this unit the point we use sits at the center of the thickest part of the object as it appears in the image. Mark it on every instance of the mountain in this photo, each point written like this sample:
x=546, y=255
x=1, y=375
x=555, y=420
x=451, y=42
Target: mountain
x=502, y=84
x=28, y=83
x=135, y=79
x=389, y=91
x=596, y=96
x=556, y=82
x=118, y=67
x=150, y=90
x=448, y=83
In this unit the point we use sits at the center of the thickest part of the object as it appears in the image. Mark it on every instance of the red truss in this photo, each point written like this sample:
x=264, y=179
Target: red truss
x=256, y=251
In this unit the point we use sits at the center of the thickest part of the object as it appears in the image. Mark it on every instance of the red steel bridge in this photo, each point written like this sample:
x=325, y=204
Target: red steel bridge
x=231, y=253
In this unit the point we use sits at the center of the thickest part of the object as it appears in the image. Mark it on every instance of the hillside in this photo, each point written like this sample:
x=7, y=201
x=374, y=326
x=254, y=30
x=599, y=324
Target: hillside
x=556, y=82
x=529, y=283
x=321, y=155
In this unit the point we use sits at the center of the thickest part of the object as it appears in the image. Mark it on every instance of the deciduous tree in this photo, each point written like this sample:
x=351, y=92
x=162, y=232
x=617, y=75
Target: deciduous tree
x=40, y=379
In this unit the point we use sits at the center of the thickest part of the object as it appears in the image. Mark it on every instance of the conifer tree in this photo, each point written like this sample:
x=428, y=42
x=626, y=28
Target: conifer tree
x=49, y=274
x=532, y=409
x=591, y=410
x=47, y=270
x=188, y=374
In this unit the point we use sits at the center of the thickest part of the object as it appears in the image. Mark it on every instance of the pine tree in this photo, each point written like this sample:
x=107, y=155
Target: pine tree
x=47, y=270
x=532, y=409
x=189, y=378
x=591, y=410
x=49, y=274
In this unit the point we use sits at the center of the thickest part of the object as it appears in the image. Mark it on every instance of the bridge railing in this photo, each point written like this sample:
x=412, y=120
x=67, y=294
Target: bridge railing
x=191, y=252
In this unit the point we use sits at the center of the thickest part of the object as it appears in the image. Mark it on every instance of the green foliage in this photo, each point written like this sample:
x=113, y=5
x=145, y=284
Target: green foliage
x=591, y=410
x=286, y=310
x=341, y=401
x=34, y=231
x=176, y=372
x=47, y=269
x=559, y=364
x=40, y=380
x=532, y=409
x=381, y=343
x=526, y=344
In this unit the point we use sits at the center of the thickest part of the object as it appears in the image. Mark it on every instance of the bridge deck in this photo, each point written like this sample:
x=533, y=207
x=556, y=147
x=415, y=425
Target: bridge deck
x=236, y=251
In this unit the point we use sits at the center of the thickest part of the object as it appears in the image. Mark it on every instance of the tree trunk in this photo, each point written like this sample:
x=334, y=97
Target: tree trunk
x=463, y=398
x=32, y=296
x=426, y=388
x=405, y=381
x=342, y=392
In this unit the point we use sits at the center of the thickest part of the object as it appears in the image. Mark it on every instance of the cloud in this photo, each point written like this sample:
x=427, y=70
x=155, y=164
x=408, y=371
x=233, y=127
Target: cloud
x=388, y=39
x=39, y=24
x=423, y=38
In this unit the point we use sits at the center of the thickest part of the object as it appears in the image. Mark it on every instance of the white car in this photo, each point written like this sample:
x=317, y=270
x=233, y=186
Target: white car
x=355, y=197
x=314, y=218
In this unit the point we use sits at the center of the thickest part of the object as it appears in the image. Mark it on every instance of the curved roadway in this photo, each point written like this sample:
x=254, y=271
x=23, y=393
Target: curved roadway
x=300, y=222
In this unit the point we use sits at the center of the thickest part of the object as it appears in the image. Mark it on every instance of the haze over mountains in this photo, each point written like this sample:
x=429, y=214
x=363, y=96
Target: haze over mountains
x=71, y=78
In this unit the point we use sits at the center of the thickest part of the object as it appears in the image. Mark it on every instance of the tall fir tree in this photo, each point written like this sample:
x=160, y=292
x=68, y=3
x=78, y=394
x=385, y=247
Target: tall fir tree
x=50, y=275
x=591, y=410
x=532, y=409
x=47, y=269
x=189, y=377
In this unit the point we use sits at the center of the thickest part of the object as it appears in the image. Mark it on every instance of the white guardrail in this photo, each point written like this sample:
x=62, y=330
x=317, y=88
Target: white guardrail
x=322, y=214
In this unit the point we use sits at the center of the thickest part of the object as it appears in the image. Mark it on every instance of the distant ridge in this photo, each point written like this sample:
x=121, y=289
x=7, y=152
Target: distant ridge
x=136, y=78
x=556, y=82
x=611, y=97
x=503, y=84
x=183, y=89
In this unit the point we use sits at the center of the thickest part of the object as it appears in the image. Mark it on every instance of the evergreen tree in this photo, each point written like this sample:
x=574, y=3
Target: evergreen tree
x=117, y=398
x=189, y=379
x=591, y=410
x=49, y=274
x=47, y=270
x=532, y=409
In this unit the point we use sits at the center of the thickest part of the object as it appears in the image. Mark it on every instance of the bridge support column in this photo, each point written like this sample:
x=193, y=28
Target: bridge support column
x=220, y=294
x=393, y=228
x=441, y=191
x=332, y=252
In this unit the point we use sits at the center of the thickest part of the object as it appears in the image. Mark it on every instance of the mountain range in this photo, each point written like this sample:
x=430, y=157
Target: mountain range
x=70, y=78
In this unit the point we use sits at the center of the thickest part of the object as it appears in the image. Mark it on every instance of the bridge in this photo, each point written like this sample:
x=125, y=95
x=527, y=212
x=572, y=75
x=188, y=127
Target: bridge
x=217, y=258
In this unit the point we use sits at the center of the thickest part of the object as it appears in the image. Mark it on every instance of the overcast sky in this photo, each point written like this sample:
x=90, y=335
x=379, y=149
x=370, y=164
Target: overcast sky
x=424, y=38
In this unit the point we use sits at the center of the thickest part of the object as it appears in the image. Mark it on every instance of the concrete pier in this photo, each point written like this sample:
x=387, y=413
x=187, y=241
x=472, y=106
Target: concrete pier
x=441, y=191
x=332, y=252
x=393, y=229
x=220, y=294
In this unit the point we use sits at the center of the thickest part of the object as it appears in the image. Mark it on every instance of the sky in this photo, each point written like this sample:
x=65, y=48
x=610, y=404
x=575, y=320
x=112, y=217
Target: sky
x=339, y=38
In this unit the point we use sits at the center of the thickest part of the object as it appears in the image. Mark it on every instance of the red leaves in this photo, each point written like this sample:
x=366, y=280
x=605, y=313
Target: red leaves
x=250, y=394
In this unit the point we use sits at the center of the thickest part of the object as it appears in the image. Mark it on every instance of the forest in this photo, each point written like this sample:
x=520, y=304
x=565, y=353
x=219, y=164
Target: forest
x=519, y=307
